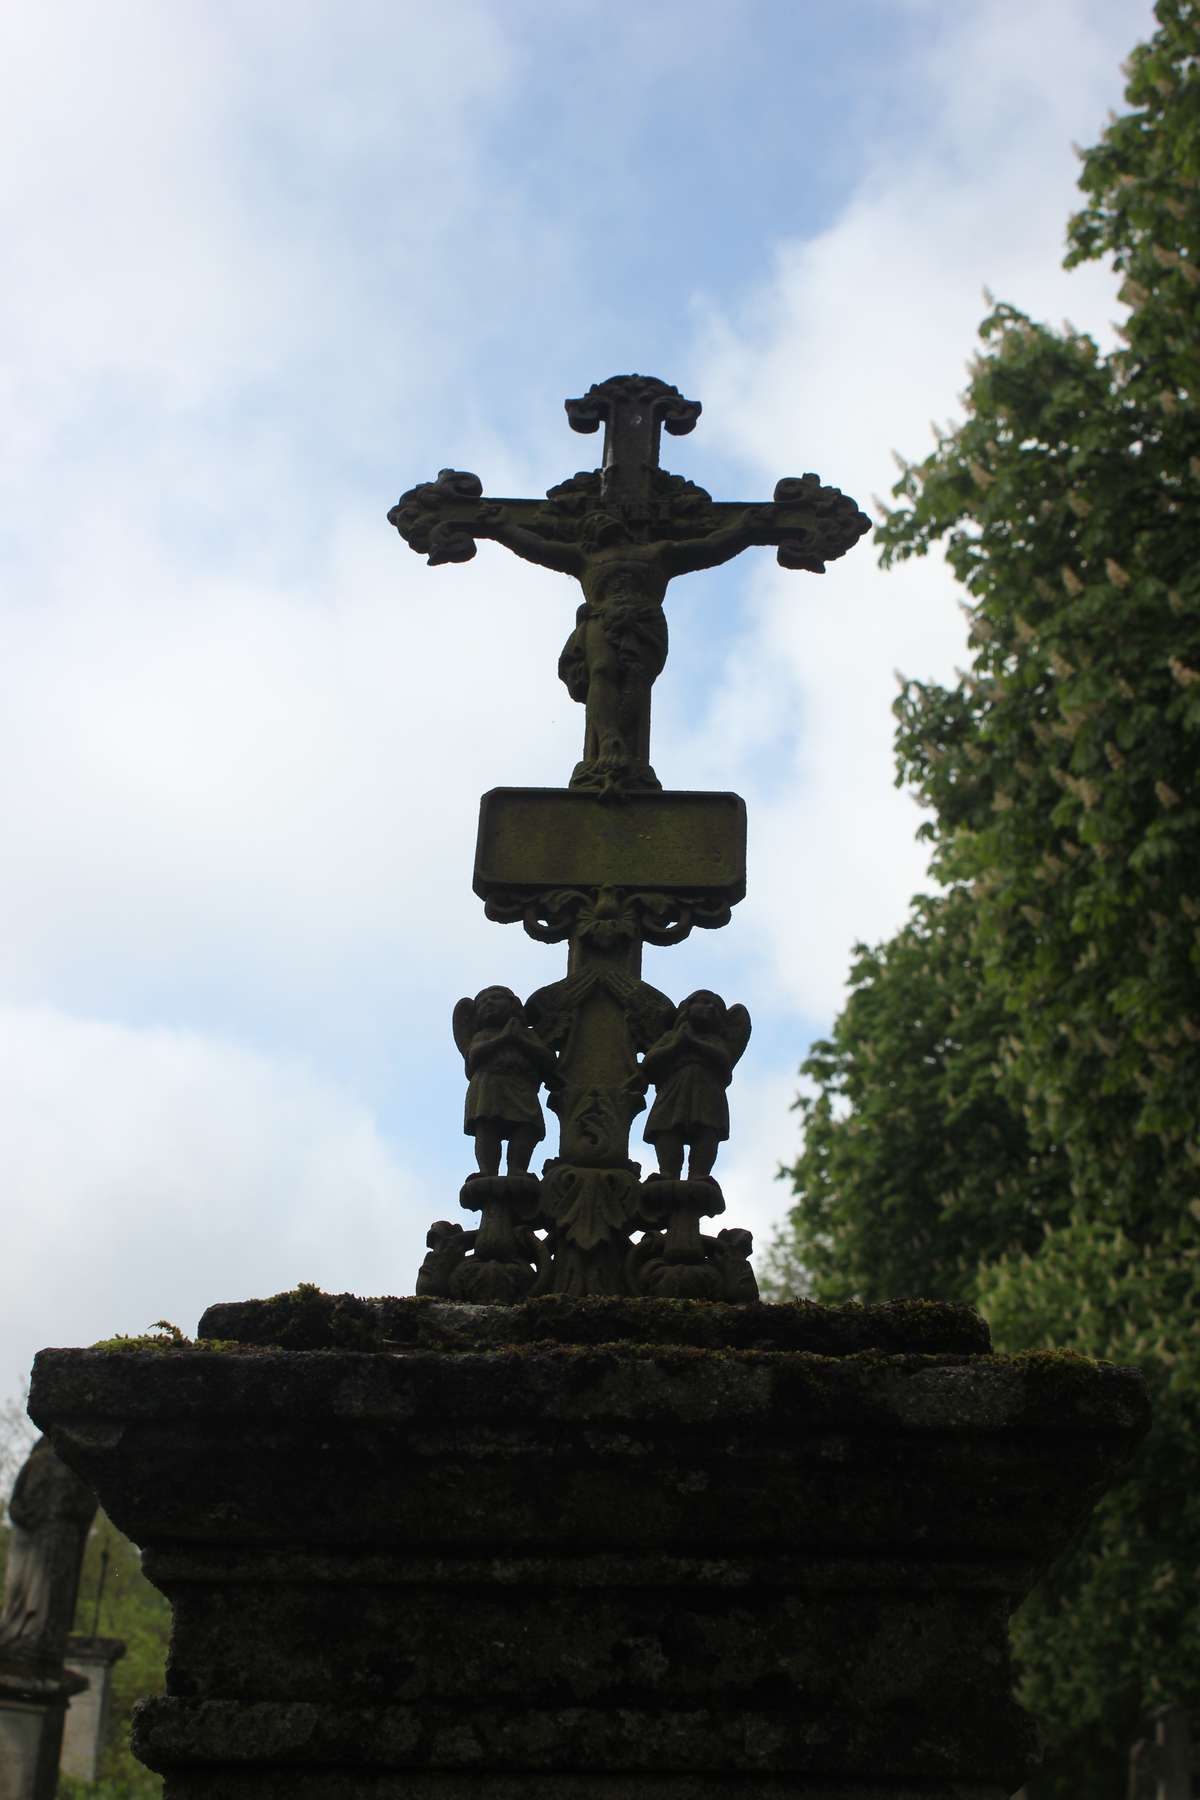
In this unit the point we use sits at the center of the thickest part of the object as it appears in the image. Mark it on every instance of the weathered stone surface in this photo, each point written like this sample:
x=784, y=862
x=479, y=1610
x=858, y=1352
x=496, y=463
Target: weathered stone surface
x=296, y=1784
x=598, y=1548
x=86, y=1726
x=306, y=1319
x=535, y=839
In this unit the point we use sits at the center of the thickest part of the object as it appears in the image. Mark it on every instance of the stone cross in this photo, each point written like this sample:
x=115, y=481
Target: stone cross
x=609, y=863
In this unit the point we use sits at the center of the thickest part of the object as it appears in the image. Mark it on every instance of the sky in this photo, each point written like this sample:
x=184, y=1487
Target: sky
x=267, y=266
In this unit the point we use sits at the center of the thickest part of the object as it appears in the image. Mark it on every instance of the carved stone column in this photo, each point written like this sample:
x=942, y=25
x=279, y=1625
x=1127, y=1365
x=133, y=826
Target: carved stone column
x=590, y=1549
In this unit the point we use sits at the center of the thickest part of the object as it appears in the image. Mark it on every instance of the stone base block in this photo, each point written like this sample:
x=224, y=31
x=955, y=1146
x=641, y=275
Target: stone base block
x=281, y=1784
x=32, y=1708
x=589, y=1549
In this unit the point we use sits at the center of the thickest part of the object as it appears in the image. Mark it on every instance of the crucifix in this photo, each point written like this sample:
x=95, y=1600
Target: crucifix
x=609, y=863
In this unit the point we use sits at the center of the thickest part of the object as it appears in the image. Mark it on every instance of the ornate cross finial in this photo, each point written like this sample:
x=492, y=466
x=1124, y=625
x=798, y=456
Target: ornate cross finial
x=609, y=864
x=633, y=410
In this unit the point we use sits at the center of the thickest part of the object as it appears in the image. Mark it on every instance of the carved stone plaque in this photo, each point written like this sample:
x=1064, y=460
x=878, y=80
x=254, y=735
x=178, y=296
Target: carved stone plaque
x=532, y=839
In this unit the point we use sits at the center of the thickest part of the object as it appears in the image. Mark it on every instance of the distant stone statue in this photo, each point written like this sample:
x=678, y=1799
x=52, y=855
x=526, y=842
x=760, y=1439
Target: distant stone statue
x=506, y=1063
x=50, y=1513
x=691, y=1065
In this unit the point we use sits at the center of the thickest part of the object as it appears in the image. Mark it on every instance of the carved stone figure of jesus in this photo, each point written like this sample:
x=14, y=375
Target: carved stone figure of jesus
x=619, y=645
x=624, y=531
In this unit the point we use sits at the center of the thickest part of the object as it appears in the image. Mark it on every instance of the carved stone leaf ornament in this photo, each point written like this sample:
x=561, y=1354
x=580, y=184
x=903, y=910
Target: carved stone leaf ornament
x=608, y=865
x=590, y=1206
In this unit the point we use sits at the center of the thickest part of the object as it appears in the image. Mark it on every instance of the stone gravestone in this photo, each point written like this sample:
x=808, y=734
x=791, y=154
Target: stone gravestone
x=584, y=1520
x=85, y=1731
x=1163, y=1765
x=50, y=1514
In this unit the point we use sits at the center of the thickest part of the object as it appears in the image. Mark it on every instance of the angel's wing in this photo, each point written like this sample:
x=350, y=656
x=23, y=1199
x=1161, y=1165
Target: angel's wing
x=736, y=1031
x=462, y=1021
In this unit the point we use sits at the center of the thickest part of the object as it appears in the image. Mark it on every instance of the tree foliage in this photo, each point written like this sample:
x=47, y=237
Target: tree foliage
x=1008, y=1108
x=915, y=1165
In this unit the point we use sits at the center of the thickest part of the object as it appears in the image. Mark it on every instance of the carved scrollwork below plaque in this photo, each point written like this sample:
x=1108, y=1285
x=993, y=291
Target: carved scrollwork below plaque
x=606, y=916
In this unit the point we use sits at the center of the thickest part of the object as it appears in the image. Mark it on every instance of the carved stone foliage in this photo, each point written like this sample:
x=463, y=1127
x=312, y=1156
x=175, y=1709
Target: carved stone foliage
x=421, y=516
x=839, y=523
x=608, y=917
x=591, y=1212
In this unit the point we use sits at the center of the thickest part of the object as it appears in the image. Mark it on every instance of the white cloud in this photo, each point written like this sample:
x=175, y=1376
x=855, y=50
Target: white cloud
x=258, y=256
x=236, y=764
x=203, y=198
x=153, y=1172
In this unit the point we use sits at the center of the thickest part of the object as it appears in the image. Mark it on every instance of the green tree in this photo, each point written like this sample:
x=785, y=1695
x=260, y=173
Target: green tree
x=1037, y=1023
x=915, y=1165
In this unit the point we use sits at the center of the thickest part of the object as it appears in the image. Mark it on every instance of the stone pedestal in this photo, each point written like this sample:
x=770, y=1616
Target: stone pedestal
x=32, y=1707
x=84, y=1731
x=589, y=1549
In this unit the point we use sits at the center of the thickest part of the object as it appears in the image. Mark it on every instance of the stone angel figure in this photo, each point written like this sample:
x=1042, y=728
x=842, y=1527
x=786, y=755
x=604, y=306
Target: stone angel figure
x=506, y=1063
x=691, y=1065
x=50, y=1514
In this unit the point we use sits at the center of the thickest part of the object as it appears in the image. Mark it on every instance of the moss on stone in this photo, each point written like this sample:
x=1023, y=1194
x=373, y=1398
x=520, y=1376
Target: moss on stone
x=307, y=1319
